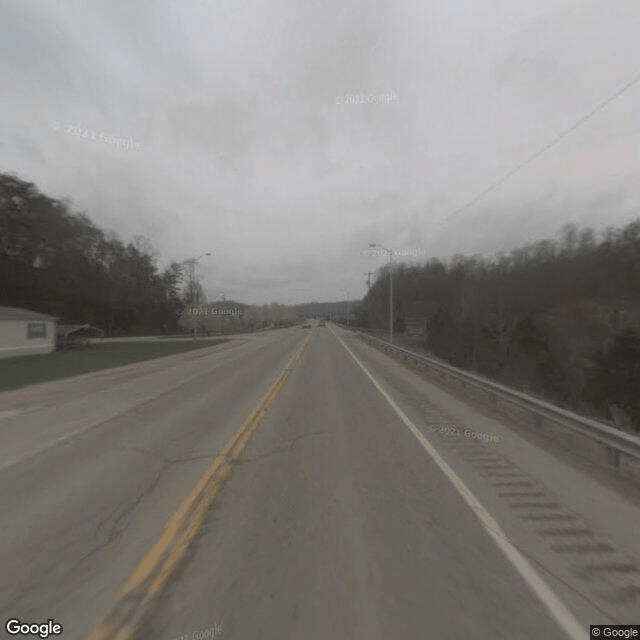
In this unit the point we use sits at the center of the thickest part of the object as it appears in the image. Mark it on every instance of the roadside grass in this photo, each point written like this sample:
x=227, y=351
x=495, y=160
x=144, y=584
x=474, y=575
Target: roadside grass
x=23, y=370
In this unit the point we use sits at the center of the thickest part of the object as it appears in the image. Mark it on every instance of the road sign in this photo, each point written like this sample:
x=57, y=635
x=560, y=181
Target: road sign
x=416, y=328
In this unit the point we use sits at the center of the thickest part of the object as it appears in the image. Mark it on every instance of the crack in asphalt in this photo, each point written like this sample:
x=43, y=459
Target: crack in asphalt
x=116, y=528
x=114, y=531
x=168, y=460
x=285, y=449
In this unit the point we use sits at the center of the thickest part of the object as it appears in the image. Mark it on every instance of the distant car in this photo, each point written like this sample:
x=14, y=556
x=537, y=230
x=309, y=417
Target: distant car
x=306, y=326
x=321, y=323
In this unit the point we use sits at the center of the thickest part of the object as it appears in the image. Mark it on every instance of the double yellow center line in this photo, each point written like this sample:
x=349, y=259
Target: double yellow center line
x=137, y=596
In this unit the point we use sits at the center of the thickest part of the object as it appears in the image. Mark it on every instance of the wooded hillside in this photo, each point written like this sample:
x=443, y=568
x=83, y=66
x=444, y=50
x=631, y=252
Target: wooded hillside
x=558, y=318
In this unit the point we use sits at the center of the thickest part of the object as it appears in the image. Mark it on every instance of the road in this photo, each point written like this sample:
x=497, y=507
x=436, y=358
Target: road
x=369, y=503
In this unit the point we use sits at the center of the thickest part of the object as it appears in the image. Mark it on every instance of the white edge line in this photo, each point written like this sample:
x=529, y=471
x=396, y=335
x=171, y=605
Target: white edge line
x=48, y=445
x=67, y=436
x=549, y=599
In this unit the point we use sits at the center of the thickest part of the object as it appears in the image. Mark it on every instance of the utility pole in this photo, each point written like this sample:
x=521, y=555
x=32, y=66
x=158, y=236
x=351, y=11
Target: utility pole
x=194, y=291
x=369, y=274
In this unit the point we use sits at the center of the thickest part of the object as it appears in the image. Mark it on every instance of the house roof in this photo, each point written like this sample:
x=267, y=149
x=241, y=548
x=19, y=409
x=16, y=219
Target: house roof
x=84, y=329
x=8, y=314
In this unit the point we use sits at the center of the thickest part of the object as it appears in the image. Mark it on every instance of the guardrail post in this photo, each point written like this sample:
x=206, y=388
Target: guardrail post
x=613, y=456
x=542, y=412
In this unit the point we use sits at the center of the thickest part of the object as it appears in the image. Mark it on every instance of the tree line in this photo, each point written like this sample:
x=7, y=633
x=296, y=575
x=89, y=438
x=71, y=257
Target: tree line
x=559, y=318
x=219, y=318
x=57, y=261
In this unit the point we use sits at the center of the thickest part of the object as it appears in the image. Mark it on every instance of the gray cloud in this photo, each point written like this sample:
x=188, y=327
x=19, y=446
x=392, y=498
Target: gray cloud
x=245, y=152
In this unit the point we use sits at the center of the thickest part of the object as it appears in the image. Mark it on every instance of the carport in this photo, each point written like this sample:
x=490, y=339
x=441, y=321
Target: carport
x=76, y=336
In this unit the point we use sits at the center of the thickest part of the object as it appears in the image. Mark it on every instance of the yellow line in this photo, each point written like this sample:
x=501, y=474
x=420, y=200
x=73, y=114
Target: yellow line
x=184, y=525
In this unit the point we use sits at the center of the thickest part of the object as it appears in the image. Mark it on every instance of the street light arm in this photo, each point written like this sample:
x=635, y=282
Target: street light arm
x=381, y=247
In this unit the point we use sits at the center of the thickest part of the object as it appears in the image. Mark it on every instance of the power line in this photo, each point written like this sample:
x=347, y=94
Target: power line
x=546, y=147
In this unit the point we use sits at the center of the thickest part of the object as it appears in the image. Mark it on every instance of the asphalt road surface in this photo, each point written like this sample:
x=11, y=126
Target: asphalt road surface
x=369, y=503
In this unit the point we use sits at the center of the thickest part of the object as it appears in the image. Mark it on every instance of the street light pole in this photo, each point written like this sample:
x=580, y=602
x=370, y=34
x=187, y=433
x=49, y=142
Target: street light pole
x=390, y=288
x=391, y=297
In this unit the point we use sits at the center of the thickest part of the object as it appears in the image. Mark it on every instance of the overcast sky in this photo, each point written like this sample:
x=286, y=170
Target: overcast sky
x=243, y=139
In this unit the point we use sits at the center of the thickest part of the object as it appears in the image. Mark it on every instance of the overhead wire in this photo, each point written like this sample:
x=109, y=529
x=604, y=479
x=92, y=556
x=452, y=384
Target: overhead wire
x=546, y=147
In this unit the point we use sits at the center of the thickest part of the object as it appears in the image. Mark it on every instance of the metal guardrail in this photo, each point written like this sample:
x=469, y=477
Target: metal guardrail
x=616, y=441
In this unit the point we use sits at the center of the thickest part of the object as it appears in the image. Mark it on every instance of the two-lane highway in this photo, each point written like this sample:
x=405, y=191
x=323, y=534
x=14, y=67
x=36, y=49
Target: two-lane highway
x=337, y=524
x=368, y=504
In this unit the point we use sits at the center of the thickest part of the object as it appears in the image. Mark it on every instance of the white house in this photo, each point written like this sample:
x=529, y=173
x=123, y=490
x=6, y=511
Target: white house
x=25, y=333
